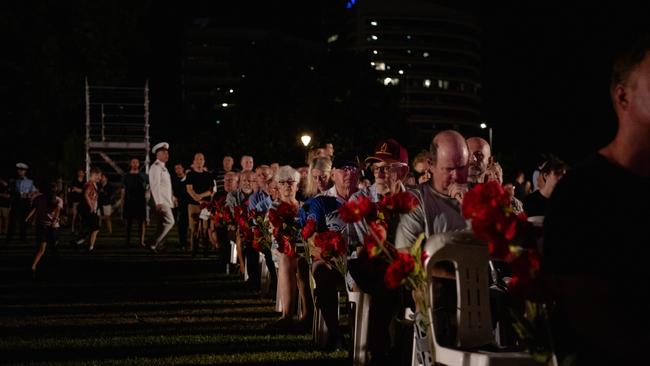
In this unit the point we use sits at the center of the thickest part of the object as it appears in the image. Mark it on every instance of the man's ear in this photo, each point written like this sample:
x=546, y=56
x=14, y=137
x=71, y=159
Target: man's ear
x=620, y=97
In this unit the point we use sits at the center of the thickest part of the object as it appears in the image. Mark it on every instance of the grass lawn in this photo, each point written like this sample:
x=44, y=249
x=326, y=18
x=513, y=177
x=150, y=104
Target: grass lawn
x=125, y=306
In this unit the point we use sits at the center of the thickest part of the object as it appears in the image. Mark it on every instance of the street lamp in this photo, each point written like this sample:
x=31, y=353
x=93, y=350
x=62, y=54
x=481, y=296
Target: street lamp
x=306, y=139
x=484, y=126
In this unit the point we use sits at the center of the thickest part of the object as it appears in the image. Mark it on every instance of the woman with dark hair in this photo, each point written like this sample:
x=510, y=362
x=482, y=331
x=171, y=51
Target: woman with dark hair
x=46, y=211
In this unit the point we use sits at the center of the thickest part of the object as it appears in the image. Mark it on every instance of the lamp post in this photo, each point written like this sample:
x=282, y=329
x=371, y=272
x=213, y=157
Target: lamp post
x=305, y=139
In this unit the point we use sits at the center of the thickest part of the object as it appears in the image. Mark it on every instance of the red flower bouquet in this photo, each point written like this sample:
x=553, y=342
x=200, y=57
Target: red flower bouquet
x=509, y=238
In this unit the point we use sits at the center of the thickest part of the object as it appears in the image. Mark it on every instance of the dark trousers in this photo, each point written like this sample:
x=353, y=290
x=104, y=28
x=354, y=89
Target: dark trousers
x=129, y=223
x=182, y=220
x=253, y=266
x=19, y=211
x=268, y=258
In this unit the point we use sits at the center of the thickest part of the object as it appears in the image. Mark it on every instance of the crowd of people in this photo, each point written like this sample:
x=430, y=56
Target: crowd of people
x=438, y=178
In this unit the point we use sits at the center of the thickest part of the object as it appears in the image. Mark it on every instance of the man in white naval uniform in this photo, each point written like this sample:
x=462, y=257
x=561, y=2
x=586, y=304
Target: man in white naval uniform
x=161, y=193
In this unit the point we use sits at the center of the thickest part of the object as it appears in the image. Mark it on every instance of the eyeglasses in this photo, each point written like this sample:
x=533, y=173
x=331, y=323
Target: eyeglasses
x=387, y=168
x=321, y=178
x=349, y=169
x=287, y=182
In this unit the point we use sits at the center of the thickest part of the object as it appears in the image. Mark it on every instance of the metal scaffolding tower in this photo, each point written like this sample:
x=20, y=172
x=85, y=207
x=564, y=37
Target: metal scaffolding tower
x=117, y=128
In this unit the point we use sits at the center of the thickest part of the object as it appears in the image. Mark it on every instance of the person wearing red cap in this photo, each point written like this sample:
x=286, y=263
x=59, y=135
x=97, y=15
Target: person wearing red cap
x=389, y=164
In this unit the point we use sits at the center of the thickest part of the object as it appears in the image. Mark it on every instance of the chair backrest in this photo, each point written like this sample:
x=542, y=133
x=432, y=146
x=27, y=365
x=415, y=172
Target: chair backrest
x=470, y=258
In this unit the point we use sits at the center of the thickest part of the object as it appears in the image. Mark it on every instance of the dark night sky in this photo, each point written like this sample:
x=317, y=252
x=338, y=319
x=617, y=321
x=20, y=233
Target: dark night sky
x=545, y=66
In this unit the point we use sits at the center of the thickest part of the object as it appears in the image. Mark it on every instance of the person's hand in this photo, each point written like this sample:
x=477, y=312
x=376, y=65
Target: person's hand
x=315, y=252
x=458, y=191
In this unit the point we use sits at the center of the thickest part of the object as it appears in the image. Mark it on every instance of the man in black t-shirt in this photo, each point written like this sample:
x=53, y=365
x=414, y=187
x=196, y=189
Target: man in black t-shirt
x=596, y=234
x=200, y=187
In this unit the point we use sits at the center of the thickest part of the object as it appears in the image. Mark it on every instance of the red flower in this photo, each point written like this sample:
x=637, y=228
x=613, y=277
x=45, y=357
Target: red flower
x=355, y=210
x=275, y=219
x=402, y=202
x=257, y=245
x=285, y=246
x=309, y=229
x=399, y=269
x=287, y=211
x=331, y=244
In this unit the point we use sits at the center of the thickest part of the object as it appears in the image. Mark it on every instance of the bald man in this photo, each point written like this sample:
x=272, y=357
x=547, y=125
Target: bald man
x=479, y=156
x=438, y=210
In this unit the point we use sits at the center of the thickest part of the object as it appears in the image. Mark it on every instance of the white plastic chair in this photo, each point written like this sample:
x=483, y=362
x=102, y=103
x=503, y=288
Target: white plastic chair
x=470, y=258
x=360, y=303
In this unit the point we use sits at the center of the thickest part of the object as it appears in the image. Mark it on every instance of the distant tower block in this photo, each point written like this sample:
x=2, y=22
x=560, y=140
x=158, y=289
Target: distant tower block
x=117, y=128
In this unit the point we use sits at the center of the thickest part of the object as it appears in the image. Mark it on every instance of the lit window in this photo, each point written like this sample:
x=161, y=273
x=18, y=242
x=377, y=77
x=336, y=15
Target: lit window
x=375, y=52
x=372, y=63
x=408, y=36
x=380, y=66
x=374, y=23
x=391, y=81
x=401, y=72
x=231, y=91
x=374, y=37
x=408, y=51
x=332, y=38
x=425, y=55
x=427, y=83
x=225, y=105
x=218, y=122
x=443, y=84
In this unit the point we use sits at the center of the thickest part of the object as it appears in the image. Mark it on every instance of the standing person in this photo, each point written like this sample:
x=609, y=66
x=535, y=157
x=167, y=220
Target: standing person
x=106, y=192
x=246, y=163
x=47, y=209
x=596, y=233
x=161, y=193
x=134, y=202
x=88, y=209
x=227, y=165
x=182, y=198
x=75, y=197
x=520, y=185
x=536, y=203
x=5, y=206
x=200, y=184
x=22, y=192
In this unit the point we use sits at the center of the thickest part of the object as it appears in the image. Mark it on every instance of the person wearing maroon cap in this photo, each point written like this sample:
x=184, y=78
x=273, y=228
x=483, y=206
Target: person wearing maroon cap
x=390, y=167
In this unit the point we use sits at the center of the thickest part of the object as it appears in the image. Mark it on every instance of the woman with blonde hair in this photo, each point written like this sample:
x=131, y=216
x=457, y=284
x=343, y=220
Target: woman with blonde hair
x=318, y=177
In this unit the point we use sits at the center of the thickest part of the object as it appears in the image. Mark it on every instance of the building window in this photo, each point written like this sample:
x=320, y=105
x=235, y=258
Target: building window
x=391, y=81
x=426, y=83
x=380, y=66
x=443, y=84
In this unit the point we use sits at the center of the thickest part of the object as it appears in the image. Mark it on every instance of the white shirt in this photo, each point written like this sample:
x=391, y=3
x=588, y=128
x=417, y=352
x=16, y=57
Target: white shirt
x=161, y=184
